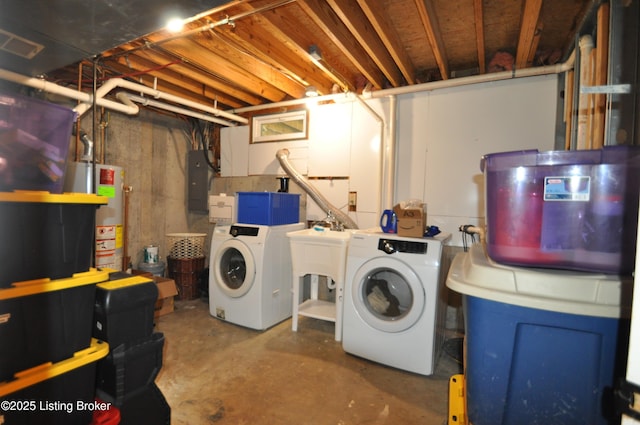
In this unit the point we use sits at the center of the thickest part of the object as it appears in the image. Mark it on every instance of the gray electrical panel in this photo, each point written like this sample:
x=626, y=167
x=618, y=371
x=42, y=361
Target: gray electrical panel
x=198, y=175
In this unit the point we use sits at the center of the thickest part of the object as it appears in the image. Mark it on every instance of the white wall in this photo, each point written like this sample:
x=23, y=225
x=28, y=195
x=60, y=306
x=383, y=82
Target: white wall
x=341, y=155
x=443, y=134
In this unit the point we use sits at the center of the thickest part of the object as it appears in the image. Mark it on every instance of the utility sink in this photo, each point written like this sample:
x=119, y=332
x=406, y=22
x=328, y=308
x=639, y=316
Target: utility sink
x=321, y=252
x=328, y=236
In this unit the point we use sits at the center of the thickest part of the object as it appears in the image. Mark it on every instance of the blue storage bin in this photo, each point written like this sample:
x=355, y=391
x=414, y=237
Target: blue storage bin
x=541, y=346
x=268, y=208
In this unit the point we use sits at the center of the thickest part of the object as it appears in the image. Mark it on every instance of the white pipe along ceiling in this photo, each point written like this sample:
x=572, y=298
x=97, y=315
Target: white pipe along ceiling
x=126, y=105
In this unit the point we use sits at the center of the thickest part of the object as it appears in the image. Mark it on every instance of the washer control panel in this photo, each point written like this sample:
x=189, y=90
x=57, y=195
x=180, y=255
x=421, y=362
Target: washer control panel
x=390, y=246
x=243, y=231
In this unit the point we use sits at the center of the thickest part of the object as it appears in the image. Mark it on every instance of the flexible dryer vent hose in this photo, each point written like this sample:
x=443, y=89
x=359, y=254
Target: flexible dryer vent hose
x=283, y=158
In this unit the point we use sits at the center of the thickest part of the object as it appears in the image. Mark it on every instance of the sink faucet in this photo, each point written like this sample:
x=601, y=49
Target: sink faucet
x=332, y=223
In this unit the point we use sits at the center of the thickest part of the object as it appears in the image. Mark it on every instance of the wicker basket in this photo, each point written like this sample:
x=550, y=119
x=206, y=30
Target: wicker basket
x=186, y=245
x=186, y=272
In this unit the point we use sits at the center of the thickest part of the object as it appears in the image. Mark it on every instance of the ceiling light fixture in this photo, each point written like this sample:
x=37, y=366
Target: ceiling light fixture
x=311, y=91
x=175, y=24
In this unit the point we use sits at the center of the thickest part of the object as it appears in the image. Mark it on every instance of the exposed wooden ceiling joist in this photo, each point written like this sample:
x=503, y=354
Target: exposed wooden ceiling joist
x=356, y=21
x=429, y=18
x=528, y=33
x=387, y=33
x=335, y=30
x=252, y=52
x=479, y=24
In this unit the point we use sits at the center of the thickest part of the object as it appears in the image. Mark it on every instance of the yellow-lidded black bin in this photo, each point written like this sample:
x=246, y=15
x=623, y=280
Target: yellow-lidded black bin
x=46, y=235
x=45, y=320
x=124, y=308
x=61, y=393
x=129, y=369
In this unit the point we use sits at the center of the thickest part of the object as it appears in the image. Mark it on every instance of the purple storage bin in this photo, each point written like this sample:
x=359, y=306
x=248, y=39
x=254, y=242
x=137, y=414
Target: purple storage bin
x=563, y=209
x=34, y=142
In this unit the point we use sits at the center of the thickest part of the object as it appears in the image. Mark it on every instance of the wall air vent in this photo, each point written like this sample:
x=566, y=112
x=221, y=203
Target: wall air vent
x=18, y=46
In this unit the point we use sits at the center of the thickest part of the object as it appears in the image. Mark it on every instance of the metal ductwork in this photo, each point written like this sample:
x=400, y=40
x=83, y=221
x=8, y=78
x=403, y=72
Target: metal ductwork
x=283, y=157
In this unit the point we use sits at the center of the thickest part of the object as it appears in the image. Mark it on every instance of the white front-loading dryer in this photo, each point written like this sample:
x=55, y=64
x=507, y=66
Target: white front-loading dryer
x=250, y=274
x=394, y=300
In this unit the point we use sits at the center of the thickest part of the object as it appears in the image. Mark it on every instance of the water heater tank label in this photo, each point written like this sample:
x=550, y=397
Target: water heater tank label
x=107, y=176
x=105, y=232
x=108, y=191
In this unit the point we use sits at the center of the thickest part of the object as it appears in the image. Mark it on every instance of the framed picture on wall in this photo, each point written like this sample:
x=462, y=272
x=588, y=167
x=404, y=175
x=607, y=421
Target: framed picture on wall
x=293, y=125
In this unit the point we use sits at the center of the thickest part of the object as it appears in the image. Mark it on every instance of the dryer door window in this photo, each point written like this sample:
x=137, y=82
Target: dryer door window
x=234, y=268
x=388, y=295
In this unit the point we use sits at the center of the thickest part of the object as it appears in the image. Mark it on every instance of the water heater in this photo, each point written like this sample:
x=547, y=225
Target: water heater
x=108, y=180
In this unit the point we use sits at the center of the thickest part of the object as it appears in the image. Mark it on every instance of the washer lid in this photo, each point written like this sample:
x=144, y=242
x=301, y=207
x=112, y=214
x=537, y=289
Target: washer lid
x=592, y=294
x=388, y=295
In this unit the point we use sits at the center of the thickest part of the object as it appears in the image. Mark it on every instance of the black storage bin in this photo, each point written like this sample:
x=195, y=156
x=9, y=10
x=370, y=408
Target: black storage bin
x=46, y=235
x=46, y=321
x=124, y=309
x=129, y=368
x=148, y=407
x=62, y=393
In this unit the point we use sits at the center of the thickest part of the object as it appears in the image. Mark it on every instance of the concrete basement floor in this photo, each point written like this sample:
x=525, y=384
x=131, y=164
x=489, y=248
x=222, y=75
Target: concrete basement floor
x=219, y=373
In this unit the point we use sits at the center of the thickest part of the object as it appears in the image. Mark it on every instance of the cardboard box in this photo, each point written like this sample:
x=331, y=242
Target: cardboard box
x=166, y=291
x=411, y=221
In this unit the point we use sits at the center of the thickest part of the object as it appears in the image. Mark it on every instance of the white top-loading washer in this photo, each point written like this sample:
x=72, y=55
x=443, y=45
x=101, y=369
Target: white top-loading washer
x=395, y=299
x=250, y=274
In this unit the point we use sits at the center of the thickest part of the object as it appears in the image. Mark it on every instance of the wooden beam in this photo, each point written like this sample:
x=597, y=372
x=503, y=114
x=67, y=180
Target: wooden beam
x=569, y=111
x=211, y=41
x=268, y=43
x=429, y=19
x=333, y=28
x=185, y=75
x=602, y=64
x=534, y=44
x=590, y=107
x=357, y=22
x=191, y=52
x=297, y=41
x=479, y=21
x=188, y=79
x=205, y=96
x=202, y=44
x=374, y=11
x=530, y=17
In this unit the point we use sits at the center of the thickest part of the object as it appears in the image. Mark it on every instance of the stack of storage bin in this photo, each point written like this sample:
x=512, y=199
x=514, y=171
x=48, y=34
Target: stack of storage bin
x=547, y=300
x=47, y=291
x=124, y=314
x=186, y=262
